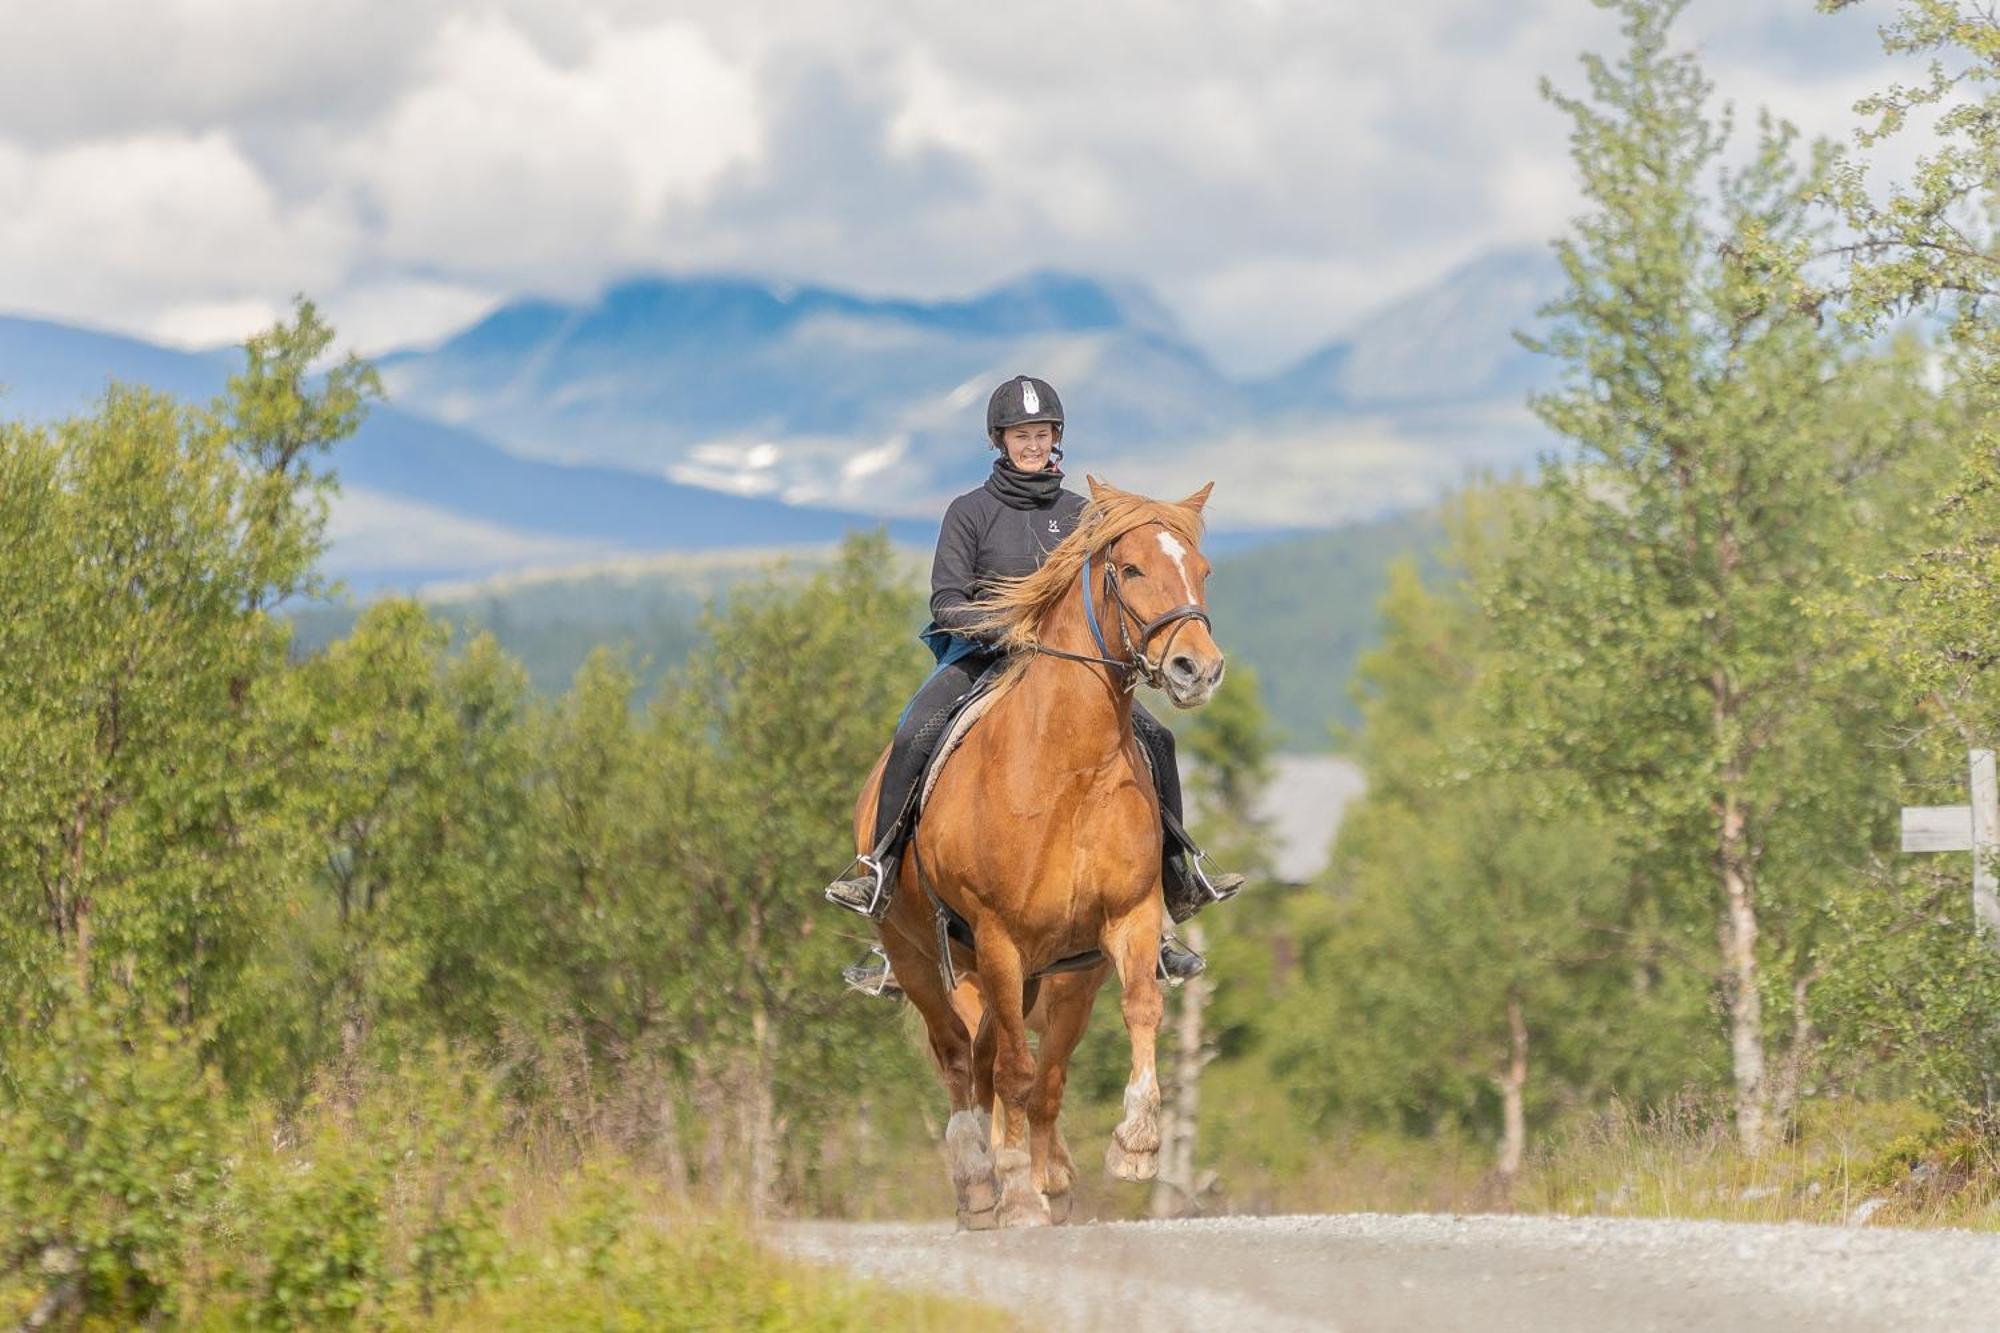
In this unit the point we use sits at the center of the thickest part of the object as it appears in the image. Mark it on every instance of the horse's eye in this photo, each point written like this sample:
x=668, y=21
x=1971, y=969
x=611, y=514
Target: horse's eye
x=1133, y=572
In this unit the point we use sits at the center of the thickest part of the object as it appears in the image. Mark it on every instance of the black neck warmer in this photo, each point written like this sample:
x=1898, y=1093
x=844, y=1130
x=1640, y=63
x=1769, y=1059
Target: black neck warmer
x=1024, y=490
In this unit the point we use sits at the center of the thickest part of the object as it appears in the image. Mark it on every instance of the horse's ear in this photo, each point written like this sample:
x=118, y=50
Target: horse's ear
x=1199, y=498
x=1097, y=488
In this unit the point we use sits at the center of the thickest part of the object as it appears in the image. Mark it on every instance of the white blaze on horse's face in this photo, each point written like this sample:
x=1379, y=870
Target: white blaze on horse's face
x=1190, y=664
x=1178, y=554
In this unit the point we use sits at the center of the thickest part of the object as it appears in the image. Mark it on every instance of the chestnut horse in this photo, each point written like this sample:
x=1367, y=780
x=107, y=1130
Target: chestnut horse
x=1042, y=834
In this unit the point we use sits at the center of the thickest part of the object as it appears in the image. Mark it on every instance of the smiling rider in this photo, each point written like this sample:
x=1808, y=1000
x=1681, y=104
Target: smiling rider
x=1005, y=529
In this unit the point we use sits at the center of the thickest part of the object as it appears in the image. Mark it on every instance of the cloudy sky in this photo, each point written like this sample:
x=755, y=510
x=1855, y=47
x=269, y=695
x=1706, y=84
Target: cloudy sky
x=1271, y=168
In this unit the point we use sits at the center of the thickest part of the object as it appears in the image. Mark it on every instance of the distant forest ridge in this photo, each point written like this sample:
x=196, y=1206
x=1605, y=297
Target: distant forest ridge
x=1300, y=611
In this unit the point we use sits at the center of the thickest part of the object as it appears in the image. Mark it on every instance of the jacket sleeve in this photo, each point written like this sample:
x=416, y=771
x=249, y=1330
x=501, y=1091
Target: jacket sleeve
x=955, y=568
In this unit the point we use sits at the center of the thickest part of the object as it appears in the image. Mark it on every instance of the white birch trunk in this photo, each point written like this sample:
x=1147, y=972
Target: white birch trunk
x=1513, y=1120
x=1176, y=1189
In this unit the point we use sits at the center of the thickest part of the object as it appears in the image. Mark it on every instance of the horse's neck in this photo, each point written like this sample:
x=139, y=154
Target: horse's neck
x=1090, y=699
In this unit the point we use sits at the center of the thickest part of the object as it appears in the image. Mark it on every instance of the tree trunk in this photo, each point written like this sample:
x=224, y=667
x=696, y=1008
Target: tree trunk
x=763, y=1135
x=672, y=1152
x=1742, y=998
x=1792, y=1070
x=1513, y=1122
x=710, y=1111
x=1176, y=1190
x=763, y=1113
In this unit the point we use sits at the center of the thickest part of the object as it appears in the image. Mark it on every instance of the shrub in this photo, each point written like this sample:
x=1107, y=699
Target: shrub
x=108, y=1164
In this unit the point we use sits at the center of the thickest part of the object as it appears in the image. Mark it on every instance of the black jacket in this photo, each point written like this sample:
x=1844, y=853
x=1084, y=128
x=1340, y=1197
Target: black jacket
x=989, y=535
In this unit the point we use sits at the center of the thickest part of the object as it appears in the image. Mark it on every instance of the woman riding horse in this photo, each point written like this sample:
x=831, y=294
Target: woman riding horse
x=1006, y=529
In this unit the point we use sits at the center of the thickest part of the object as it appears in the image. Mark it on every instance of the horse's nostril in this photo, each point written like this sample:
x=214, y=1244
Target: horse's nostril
x=1215, y=676
x=1182, y=667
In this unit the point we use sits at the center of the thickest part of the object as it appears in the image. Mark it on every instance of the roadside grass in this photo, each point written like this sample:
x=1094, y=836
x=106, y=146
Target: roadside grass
x=603, y=1250
x=1846, y=1162
x=134, y=1194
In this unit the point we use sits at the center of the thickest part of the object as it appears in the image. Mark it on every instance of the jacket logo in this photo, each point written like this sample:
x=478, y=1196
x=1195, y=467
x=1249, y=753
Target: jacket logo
x=1053, y=527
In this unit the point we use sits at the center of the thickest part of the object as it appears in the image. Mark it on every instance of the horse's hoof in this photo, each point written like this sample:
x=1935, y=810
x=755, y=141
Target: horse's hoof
x=1055, y=1178
x=980, y=1197
x=1032, y=1211
x=980, y=1221
x=1127, y=1165
x=1059, y=1206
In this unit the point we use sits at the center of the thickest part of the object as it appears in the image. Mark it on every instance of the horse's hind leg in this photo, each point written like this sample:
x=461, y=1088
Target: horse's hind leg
x=1000, y=984
x=1070, y=999
x=967, y=1154
x=1134, y=945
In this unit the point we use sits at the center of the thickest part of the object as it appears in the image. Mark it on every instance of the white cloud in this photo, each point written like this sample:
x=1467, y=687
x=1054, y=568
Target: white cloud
x=504, y=162
x=162, y=232
x=1271, y=170
x=375, y=534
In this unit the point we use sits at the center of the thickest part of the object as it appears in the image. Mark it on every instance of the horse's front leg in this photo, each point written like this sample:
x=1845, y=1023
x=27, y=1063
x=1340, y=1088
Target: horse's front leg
x=1070, y=999
x=1133, y=943
x=1001, y=987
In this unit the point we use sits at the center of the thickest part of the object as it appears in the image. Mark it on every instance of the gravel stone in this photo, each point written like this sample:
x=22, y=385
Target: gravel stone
x=1385, y=1272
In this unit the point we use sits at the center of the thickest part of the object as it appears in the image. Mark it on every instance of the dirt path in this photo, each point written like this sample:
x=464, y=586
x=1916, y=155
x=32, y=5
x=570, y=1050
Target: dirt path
x=1370, y=1271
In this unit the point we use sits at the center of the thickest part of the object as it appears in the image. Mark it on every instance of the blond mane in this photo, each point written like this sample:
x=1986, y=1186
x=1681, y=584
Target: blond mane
x=1012, y=613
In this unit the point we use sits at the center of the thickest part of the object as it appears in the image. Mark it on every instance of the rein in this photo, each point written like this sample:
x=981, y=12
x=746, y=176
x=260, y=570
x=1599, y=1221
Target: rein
x=1135, y=665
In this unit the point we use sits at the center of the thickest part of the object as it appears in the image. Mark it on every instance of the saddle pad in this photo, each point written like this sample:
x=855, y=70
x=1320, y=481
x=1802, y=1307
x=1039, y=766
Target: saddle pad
x=960, y=725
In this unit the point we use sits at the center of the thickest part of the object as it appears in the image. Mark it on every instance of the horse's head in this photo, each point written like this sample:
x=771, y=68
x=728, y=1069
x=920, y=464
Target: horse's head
x=1156, y=577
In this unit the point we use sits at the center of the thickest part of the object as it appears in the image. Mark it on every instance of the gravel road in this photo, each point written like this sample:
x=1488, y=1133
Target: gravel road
x=1372, y=1271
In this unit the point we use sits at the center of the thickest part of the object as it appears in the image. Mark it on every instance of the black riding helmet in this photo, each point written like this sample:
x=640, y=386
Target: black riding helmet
x=1019, y=401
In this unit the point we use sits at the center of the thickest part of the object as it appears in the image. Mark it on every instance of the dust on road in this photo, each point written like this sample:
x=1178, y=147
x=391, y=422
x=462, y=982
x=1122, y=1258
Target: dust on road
x=1365, y=1272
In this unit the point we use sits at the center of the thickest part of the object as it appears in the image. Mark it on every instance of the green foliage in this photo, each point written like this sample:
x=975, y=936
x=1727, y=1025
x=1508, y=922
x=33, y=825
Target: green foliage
x=607, y=1253
x=1654, y=612
x=1301, y=612
x=279, y=426
x=382, y=1195
x=110, y=1160
x=140, y=831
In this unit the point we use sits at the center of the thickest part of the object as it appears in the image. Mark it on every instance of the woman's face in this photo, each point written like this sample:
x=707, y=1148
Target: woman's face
x=1028, y=447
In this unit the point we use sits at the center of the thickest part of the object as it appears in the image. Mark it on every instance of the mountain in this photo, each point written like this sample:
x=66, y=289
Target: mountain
x=1450, y=342
x=422, y=500
x=702, y=412
x=812, y=395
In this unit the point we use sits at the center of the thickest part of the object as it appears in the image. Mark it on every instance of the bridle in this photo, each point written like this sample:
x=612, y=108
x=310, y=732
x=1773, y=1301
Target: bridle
x=1135, y=665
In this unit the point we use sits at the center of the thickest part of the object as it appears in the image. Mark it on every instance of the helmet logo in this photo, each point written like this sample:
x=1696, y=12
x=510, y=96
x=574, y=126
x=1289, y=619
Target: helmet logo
x=1030, y=400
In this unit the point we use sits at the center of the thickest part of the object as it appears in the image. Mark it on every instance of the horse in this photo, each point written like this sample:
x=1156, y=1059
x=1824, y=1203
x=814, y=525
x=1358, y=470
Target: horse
x=1041, y=834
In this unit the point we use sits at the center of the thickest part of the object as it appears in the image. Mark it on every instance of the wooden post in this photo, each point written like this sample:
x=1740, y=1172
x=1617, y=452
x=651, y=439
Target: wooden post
x=1985, y=845
x=1971, y=828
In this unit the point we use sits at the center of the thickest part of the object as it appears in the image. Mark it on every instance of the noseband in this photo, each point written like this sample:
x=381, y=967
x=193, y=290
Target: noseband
x=1135, y=665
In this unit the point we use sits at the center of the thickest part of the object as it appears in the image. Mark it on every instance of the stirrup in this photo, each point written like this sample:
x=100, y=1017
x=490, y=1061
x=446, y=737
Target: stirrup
x=1192, y=966
x=1230, y=886
x=878, y=890
x=869, y=980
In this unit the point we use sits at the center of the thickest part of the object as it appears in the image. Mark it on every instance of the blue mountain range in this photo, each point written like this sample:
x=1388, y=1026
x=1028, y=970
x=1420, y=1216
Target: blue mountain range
x=705, y=412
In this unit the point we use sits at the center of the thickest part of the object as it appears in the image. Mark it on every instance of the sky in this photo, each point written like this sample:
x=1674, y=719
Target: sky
x=1270, y=169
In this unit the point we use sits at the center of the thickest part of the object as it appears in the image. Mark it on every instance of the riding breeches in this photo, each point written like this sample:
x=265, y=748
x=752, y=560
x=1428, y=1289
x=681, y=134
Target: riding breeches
x=918, y=734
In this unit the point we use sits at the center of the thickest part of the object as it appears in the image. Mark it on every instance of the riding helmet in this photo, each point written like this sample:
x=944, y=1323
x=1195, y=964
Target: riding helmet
x=1019, y=401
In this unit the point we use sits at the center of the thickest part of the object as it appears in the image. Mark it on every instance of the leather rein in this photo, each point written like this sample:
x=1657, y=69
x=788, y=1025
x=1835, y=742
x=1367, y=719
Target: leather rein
x=1135, y=665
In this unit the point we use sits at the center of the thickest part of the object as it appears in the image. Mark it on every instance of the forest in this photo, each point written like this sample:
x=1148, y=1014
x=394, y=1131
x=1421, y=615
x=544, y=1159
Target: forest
x=372, y=984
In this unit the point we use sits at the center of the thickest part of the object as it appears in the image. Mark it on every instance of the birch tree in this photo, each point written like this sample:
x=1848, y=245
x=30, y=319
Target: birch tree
x=1717, y=477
